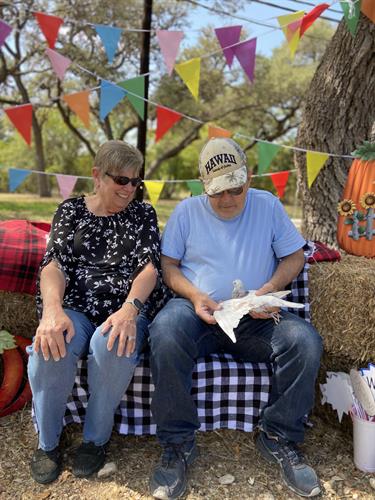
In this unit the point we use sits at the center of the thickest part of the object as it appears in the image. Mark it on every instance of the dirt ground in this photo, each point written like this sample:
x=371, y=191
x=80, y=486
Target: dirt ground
x=221, y=453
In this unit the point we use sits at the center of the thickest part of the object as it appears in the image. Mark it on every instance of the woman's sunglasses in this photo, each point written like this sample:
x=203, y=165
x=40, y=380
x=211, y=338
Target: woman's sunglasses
x=124, y=181
x=232, y=192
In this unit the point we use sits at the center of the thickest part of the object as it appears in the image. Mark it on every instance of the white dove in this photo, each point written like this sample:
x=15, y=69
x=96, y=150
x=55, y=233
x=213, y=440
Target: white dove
x=238, y=289
x=233, y=310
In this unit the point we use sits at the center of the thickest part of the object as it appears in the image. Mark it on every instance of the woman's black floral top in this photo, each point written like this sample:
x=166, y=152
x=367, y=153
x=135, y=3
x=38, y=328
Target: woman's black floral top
x=101, y=256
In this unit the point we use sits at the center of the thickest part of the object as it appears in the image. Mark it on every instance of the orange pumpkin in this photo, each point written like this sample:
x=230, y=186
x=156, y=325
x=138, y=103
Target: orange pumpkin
x=356, y=224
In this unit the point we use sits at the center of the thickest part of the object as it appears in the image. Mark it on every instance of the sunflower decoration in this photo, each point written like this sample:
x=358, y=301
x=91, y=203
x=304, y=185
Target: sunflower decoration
x=346, y=207
x=367, y=200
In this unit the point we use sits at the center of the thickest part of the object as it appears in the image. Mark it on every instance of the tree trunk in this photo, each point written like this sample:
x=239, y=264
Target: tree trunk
x=338, y=115
x=40, y=163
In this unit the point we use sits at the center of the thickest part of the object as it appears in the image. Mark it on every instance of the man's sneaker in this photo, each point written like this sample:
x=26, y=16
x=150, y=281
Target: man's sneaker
x=169, y=478
x=298, y=476
x=88, y=459
x=46, y=465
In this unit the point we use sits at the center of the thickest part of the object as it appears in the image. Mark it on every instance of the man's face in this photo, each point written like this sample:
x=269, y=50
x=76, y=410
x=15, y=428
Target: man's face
x=229, y=205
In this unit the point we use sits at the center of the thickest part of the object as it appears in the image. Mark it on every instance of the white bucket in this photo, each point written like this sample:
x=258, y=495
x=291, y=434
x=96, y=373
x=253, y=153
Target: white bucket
x=364, y=444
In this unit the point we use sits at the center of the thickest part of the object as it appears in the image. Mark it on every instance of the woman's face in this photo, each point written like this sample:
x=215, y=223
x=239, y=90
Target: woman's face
x=114, y=196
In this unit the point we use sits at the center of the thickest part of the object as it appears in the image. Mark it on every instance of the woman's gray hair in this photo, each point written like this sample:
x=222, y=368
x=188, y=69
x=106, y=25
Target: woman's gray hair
x=114, y=156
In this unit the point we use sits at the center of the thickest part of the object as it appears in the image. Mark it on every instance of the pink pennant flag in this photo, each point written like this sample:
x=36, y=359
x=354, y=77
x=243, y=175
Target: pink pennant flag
x=292, y=28
x=311, y=16
x=279, y=180
x=59, y=63
x=66, y=184
x=228, y=36
x=245, y=53
x=169, y=42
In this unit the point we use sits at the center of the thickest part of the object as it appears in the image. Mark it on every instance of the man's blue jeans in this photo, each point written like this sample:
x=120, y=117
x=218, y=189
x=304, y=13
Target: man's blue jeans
x=108, y=378
x=178, y=337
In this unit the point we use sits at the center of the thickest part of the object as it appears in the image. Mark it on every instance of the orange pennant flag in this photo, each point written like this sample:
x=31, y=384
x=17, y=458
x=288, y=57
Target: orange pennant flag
x=79, y=103
x=368, y=9
x=165, y=119
x=21, y=117
x=50, y=26
x=218, y=132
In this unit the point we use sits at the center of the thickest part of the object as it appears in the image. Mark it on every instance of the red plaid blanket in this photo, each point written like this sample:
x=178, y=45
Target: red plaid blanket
x=323, y=253
x=22, y=246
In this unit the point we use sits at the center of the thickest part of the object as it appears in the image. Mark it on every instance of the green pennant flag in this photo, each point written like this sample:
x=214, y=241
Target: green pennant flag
x=196, y=187
x=136, y=86
x=266, y=152
x=351, y=14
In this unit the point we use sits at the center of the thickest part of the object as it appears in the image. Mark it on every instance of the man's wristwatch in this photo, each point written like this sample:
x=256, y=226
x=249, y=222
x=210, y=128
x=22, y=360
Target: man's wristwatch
x=135, y=303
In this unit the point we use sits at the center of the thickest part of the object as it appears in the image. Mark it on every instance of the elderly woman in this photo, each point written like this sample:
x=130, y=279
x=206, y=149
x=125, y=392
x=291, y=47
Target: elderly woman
x=99, y=288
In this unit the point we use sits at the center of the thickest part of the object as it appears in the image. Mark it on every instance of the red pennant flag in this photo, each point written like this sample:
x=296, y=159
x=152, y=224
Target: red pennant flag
x=21, y=117
x=279, y=180
x=311, y=16
x=165, y=119
x=50, y=26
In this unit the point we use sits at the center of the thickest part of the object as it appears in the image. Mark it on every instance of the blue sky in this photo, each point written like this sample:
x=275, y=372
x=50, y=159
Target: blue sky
x=200, y=17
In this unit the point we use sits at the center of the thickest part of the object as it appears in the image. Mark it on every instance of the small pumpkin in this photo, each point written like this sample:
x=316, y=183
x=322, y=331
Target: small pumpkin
x=356, y=223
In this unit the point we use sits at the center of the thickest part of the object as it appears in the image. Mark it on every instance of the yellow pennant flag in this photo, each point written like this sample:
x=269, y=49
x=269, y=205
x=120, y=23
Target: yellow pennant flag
x=290, y=24
x=190, y=72
x=315, y=162
x=218, y=132
x=154, y=188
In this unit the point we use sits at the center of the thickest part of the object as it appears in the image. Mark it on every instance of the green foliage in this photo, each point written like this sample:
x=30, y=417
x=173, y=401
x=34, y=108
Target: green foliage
x=6, y=341
x=366, y=151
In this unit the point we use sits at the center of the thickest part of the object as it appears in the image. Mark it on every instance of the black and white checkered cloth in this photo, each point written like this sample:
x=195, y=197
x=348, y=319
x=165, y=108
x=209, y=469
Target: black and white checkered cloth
x=229, y=394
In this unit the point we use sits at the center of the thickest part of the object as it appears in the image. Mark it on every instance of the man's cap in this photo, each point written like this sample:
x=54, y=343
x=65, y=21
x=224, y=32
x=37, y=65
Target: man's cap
x=222, y=165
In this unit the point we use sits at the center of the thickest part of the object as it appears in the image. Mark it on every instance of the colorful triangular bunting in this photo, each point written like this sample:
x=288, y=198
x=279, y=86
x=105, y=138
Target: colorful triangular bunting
x=312, y=16
x=136, y=86
x=351, y=13
x=154, y=188
x=218, y=132
x=110, y=96
x=245, y=53
x=21, y=117
x=5, y=30
x=279, y=180
x=66, y=184
x=50, y=26
x=195, y=187
x=291, y=29
x=266, y=152
x=169, y=42
x=228, y=36
x=314, y=162
x=110, y=37
x=59, y=63
x=79, y=103
x=165, y=119
x=16, y=176
x=189, y=72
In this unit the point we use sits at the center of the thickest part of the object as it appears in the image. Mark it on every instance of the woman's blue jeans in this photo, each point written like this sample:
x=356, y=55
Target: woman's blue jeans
x=108, y=378
x=178, y=337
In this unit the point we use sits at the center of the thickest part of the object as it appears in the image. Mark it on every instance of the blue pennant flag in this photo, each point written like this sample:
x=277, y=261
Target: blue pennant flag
x=16, y=176
x=110, y=37
x=110, y=95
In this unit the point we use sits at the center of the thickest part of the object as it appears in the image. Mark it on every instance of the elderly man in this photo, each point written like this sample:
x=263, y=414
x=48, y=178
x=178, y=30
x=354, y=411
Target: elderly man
x=231, y=232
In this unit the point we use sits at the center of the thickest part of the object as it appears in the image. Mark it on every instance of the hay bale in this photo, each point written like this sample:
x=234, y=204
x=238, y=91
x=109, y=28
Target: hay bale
x=342, y=299
x=18, y=313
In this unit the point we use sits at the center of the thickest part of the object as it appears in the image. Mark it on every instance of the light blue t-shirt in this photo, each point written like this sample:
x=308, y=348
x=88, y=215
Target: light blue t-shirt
x=213, y=252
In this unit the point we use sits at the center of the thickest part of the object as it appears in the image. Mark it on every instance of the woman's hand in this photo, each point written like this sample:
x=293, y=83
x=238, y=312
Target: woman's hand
x=123, y=325
x=49, y=337
x=204, y=307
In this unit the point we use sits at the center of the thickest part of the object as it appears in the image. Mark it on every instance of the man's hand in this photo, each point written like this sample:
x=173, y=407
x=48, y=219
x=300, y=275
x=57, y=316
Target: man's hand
x=123, y=325
x=204, y=307
x=269, y=311
x=49, y=337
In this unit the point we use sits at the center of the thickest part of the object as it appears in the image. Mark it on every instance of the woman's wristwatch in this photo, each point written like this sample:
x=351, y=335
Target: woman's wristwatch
x=135, y=303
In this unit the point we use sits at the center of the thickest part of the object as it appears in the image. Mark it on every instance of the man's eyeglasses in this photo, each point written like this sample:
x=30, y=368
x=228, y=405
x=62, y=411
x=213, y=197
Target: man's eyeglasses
x=124, y=181
x=232, y=192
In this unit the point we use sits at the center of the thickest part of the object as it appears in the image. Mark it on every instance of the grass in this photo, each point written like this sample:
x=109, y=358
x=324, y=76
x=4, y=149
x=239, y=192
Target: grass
x=32, y=207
